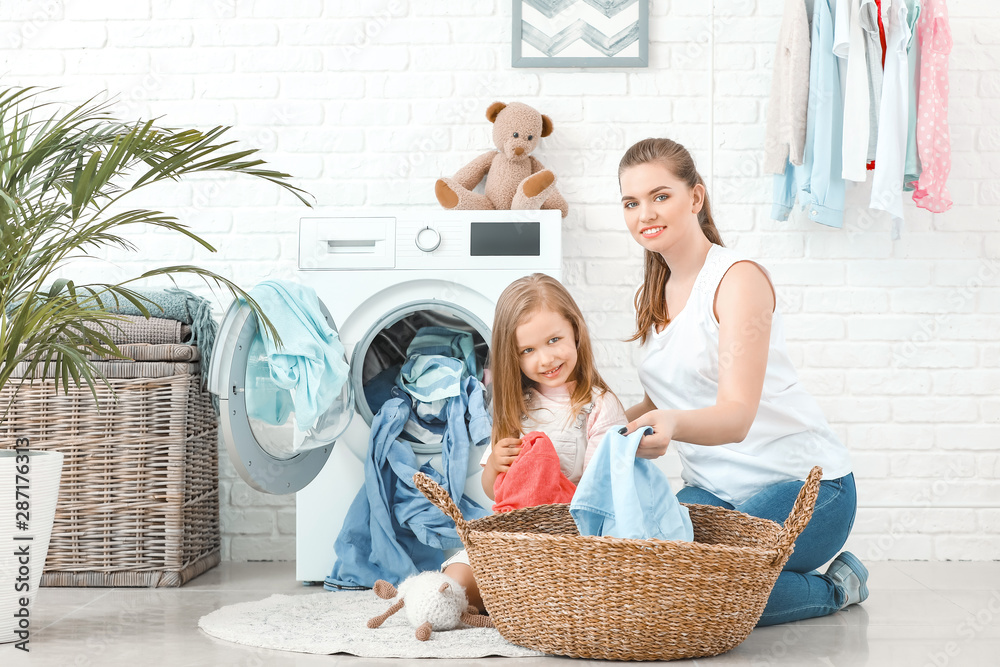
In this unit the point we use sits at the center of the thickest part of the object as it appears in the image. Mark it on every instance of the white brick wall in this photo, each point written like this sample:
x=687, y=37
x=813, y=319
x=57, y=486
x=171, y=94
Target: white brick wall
x=369, y=101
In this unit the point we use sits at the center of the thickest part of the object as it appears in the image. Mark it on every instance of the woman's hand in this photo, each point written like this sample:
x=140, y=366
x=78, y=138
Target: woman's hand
x=654, y=445
x=504, y=453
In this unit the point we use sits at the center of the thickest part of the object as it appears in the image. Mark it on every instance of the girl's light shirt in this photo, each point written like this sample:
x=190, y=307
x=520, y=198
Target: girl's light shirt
x=575, y=437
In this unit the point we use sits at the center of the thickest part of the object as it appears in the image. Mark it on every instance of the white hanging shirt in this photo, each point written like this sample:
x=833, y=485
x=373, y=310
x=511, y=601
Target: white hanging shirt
x=890, y=155
x=680, y=370
x=856, y=98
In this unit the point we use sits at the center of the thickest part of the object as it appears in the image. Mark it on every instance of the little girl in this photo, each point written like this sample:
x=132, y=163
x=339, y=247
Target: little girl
x=544, y=379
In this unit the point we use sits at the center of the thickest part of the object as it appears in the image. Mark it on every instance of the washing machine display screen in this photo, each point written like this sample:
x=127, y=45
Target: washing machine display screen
x=506, y=239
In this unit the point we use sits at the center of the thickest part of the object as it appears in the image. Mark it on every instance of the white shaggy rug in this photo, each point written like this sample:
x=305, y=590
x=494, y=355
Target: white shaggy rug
x=327, y=623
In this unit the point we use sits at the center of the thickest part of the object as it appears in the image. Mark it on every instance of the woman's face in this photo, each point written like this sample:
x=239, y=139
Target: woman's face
x=659, y=208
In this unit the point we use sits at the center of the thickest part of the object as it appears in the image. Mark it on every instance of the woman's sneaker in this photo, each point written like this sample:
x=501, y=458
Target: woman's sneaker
x=851, y=576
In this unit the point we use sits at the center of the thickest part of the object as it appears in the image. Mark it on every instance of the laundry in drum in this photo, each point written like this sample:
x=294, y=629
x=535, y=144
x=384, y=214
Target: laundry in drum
x=307, y=374
x=446, y=342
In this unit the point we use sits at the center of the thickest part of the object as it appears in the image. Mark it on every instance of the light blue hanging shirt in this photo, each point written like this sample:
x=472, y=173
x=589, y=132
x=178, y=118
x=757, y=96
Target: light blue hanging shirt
x=818, y=181
x=624, y=496
x=308, y=370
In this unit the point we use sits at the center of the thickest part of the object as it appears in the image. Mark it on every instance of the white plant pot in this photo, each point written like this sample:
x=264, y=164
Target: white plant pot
x=44, y=471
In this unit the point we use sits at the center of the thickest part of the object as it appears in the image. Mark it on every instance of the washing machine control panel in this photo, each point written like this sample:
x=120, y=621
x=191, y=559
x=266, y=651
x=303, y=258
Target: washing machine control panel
x=431, y=240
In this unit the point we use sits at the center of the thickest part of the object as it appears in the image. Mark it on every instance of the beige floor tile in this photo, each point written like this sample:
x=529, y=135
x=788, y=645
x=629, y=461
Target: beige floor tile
x=954, y=575
x=904, y=622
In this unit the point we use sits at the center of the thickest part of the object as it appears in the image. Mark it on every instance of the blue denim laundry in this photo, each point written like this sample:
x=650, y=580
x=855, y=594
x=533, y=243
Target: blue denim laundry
x=309, y=365
x=429, y=430
x=391, y=530
x=381, y=388
x=624, y=496
x=446, y=342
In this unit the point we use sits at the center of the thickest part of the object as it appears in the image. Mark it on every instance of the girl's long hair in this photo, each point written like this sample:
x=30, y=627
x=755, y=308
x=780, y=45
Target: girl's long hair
x=650, y=300
x=523, y=298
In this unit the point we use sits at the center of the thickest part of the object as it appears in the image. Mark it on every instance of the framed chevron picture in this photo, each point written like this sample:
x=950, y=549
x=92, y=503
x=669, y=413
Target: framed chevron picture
x=580, y=33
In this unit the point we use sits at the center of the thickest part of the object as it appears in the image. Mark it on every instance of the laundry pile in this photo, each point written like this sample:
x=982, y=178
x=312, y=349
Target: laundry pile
x=861, y=85
x=391, y=530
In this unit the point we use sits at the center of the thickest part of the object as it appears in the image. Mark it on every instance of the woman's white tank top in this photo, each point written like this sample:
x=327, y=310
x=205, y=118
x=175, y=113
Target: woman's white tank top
x=679, y=369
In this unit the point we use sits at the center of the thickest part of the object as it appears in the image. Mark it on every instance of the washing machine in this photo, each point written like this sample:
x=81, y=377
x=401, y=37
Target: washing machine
x=380, y=276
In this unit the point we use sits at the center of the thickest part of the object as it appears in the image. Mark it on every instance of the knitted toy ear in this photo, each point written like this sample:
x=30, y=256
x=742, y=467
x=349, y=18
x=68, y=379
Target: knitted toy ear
x=384, y=589
x=546, y=125
x=496, y=108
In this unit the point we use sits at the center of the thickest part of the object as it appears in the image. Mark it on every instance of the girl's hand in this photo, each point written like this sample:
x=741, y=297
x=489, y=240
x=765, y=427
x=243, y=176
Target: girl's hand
x=504, y=453
x=653, y=445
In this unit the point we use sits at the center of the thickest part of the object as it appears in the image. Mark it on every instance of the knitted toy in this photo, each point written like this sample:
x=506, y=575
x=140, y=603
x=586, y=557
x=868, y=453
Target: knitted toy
x=433, y=600
x=514, y=179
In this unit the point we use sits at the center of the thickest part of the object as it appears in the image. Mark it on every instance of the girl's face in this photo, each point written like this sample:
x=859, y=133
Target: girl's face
x=546, y=348
x=659, y=208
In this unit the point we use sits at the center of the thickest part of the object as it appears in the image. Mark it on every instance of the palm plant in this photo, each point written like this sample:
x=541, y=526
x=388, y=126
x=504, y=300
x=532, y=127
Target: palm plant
x=62, y=178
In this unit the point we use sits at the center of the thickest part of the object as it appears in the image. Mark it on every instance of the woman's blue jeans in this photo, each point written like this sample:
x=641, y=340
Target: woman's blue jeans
x=800, y=591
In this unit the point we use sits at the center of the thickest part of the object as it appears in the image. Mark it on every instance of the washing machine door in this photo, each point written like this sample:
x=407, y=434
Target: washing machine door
x=265, y=444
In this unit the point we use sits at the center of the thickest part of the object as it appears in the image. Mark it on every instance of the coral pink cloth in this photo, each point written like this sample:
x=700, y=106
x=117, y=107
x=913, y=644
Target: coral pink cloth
x=534, y=478
x=933, y=143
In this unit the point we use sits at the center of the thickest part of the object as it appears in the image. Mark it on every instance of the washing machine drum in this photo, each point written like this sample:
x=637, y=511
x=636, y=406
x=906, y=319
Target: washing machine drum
x=257, y=418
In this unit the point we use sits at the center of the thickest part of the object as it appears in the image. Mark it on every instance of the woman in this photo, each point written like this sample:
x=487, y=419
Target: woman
x=719, y=384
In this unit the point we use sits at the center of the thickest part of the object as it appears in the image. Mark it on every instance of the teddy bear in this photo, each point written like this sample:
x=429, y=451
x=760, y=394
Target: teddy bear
x=433, y=601
x=514, y=178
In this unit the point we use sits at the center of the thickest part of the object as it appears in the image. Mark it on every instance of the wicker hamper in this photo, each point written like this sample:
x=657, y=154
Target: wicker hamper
x=139, y=498
x=549, y=588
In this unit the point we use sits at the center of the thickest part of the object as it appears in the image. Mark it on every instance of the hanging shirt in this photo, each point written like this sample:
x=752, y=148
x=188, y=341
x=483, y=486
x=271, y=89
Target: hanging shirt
x=857, y=123
x=911, y=168
x=786, y=109
x=819, y=181
x=679, y=370
x=869, y=18
x=933, y=141
x=887, y=182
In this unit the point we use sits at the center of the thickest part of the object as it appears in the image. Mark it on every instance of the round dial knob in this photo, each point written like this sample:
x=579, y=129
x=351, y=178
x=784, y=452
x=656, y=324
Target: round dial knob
x=428, y=239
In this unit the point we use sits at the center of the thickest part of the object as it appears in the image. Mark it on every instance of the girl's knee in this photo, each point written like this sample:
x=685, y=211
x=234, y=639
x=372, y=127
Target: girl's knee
x=462, y=573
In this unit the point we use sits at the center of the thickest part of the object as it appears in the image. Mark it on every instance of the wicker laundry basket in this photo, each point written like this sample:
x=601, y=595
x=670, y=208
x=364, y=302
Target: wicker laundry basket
x=549, y=588
x=139, y=497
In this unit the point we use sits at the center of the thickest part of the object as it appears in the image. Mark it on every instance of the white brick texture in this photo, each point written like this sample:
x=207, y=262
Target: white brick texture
x=368, y=102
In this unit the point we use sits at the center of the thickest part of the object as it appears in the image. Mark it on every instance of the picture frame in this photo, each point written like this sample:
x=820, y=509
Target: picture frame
x=580, y=33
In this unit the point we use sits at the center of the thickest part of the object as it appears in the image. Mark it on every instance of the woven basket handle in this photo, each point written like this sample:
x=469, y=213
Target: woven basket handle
x=440, y=498
x=799, y=517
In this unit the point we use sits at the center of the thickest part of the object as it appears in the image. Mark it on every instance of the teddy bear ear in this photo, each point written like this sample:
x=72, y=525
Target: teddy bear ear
x=494, y=111
x=546, y=125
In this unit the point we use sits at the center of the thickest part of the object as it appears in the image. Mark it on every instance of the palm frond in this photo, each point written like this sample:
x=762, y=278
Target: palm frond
x=59, y=177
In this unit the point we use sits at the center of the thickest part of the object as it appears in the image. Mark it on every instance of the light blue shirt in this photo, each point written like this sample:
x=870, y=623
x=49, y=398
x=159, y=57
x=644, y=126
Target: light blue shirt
x=624, y=496
x=818, y=181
